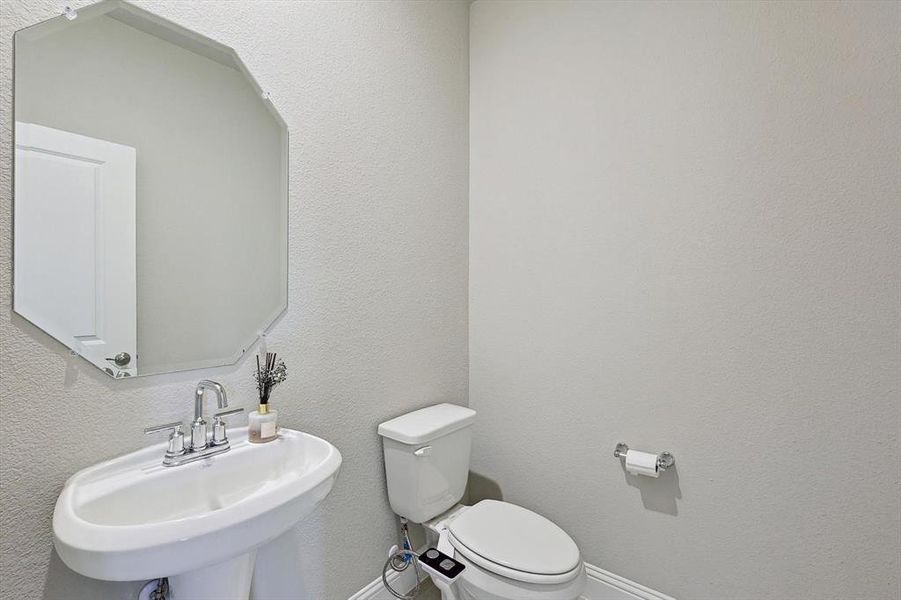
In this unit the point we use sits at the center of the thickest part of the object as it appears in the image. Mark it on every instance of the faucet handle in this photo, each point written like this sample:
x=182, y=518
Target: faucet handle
x=228, y=413
x=157, y=428
x=176, y=438
x=219, y=435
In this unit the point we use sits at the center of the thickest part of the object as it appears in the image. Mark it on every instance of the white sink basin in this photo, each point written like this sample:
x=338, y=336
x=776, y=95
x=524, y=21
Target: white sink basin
x=131, y=519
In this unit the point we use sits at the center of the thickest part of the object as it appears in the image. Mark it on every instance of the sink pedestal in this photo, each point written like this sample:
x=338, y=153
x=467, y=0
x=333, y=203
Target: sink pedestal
x=229, y=580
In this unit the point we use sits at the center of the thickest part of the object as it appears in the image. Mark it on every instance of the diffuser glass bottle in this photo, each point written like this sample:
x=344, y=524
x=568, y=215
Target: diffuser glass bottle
x=263, y=423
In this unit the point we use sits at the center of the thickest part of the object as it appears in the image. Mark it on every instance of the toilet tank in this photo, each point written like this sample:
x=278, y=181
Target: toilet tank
x=427, y=459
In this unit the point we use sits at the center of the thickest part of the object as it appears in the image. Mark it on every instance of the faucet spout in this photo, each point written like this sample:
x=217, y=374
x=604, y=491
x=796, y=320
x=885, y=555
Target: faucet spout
x=198, y=427
x=206, y=384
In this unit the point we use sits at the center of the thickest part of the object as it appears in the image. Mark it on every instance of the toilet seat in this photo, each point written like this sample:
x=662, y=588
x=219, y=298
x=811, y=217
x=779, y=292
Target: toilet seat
x=516, y=543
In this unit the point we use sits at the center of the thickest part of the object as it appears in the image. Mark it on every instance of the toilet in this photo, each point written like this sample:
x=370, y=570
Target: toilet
x=510, y=552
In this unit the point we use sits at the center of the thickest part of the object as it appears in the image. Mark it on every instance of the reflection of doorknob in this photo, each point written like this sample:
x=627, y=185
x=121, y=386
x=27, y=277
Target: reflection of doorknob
x=121, y=360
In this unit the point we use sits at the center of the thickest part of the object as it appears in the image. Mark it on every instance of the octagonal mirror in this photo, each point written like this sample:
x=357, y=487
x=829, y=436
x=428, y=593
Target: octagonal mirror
x=150, y=219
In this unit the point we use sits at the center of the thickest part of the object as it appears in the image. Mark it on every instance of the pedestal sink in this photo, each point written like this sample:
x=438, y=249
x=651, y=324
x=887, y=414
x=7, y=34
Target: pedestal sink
x=199, y=524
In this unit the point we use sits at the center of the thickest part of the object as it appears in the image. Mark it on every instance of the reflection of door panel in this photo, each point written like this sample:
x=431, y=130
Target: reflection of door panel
x=75, y=241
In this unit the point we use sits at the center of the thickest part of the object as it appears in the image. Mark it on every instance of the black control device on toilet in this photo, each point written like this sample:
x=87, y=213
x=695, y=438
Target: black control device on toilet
x=440, y=564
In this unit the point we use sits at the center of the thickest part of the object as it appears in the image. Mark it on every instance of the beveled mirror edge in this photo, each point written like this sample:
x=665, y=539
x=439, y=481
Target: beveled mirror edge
x=232, y=359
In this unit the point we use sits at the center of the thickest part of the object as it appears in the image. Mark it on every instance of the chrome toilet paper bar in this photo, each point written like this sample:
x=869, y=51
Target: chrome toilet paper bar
x=665, y=460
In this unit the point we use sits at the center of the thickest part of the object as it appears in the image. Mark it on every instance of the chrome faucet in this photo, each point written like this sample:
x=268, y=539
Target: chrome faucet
x=198, y=425
x=202, y=445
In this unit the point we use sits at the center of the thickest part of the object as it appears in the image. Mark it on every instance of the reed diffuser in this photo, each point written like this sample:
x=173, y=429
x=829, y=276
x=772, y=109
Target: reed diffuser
x=263, y=423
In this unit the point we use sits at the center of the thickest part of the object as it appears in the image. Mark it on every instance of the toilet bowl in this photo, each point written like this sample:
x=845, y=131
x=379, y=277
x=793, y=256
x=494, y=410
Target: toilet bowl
x=510, y=552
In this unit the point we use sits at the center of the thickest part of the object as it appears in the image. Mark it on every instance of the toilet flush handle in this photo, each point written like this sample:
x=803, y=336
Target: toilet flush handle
x=424, y=451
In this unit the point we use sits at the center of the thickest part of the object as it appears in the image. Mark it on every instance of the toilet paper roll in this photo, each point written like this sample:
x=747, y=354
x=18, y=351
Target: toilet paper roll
x=642, y=463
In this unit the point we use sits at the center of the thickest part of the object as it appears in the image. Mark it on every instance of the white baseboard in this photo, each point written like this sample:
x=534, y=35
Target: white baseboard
x=402, y=582
x=602, y=585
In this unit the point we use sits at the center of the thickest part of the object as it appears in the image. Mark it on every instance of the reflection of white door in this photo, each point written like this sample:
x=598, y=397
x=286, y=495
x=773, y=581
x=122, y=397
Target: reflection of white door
x=75, y=242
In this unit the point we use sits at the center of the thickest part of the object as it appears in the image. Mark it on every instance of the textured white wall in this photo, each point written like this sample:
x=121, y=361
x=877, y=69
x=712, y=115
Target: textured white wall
x=375, y=95
x=685, y=227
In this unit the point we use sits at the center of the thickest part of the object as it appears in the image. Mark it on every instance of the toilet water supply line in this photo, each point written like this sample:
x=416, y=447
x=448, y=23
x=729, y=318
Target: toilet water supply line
x=399, y=560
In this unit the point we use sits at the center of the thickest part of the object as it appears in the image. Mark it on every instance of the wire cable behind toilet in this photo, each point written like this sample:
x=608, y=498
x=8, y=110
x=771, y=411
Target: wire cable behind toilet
x=400, y=561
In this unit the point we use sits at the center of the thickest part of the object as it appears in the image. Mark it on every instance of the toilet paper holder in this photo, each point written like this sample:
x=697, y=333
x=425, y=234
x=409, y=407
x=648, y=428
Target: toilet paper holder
x=665, y=460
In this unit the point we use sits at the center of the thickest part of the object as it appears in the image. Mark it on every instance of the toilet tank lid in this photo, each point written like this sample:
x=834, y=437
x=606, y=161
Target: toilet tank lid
x=427, y=424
